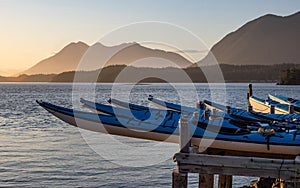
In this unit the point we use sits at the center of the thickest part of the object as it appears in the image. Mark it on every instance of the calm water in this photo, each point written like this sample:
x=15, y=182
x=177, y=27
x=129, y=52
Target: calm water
x=38, y=150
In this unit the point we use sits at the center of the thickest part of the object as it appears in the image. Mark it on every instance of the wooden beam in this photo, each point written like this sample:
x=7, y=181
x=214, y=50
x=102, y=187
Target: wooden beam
x=242, y=166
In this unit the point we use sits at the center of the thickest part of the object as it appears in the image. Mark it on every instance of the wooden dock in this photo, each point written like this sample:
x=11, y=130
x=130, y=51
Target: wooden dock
x=225, y=167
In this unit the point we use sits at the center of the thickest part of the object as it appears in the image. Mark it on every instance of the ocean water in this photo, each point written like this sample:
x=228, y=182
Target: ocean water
x=39, y=150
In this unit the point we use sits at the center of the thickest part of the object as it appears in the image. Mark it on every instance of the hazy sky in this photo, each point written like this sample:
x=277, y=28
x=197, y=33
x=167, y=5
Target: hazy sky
x=32, y=30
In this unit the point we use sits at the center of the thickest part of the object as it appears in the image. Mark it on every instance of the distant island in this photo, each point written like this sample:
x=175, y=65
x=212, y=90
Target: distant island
x=290, y=77
x=265, y=49
x=231, y=73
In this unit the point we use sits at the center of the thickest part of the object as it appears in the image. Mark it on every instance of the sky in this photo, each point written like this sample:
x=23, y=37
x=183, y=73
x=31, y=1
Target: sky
x=32, y=30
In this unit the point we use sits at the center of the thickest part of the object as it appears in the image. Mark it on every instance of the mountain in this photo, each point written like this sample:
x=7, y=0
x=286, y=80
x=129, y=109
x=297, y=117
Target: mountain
x=267, y=40
x=97, y=56
x=132, y=54
x=65, y=60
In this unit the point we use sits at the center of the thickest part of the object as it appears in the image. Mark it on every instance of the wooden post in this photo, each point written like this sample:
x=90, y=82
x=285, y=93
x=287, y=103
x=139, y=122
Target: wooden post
x=179, y=180
x=227, y=109
x=206, y=115
x=206, y=181
x=225, y=181
x=291, y=109
x=195, y=118
x=250, y=108
x=200, y=105
x=249, y=94
x=272, y=109
x=213, y=112
x=249, y=90
x=184, y=134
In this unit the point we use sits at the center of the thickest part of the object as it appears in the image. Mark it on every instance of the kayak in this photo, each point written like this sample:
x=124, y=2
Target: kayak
x=286, y=144
x=235, y=114
x=286, y=100
x=292, y=119
x=127, y=105
x=158, y=115
x=264, y=106
x=171, y=106
x=286, y=121
x=144, y=113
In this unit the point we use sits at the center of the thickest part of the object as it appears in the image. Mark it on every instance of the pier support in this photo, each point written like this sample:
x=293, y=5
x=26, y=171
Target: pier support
x=228, y=166
x=206, y=181
x=179, y=180
x=225, y=181
x=286, y=172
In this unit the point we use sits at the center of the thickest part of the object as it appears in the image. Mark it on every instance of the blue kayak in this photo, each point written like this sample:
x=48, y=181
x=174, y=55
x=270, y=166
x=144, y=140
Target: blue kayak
x=170, y=107
x=235, y=114
x=263, y=142
x=286, y=100
x=145, y=113
x=155, y=115
x=127, y=105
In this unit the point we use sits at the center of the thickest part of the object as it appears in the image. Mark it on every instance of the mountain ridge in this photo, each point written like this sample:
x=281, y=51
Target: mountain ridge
x=84, y=57
x=269, y=39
